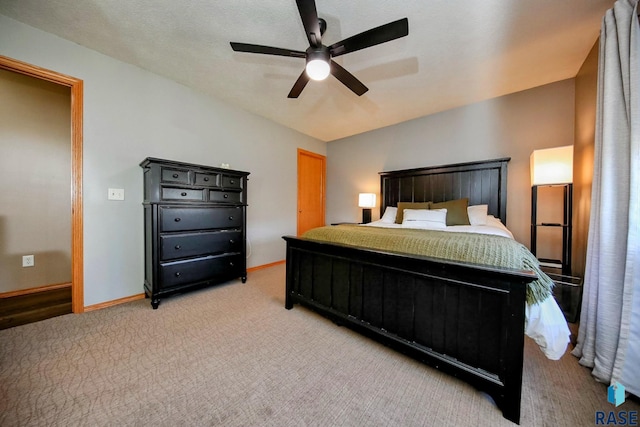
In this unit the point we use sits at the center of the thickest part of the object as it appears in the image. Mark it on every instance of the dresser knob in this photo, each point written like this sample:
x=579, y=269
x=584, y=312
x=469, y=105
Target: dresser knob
x=175, y=175
x=206, y=178
x=183, y=194
x=178, y=247
x=177, y=274
x=177, y=220
x=231, y=264
x=231, y=218
x=226, y=196
x=232, y=182
x=231, y=241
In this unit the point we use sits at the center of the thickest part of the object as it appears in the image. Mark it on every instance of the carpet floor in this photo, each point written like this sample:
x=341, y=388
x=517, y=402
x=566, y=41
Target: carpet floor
x=231, y=355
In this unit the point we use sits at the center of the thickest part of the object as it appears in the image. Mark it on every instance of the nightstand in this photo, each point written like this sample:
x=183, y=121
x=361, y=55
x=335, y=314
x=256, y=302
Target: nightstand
x=568, y=294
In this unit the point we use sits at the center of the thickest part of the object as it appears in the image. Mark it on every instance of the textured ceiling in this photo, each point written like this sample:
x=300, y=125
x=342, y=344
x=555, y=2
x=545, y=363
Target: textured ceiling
x=456, y=53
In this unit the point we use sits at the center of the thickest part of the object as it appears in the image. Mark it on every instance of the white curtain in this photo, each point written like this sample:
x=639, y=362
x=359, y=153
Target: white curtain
x=609, y=336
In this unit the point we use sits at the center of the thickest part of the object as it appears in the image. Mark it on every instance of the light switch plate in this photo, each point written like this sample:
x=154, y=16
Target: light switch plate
x=116, y=194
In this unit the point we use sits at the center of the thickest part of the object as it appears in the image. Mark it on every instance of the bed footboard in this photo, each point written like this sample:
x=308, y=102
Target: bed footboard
x=466, y=320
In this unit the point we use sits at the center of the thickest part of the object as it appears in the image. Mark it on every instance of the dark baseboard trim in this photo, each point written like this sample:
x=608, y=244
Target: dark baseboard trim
x=34, y=306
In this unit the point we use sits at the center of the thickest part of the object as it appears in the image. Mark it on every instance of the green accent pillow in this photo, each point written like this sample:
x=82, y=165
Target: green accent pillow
x=409, y=205
x=456, y=211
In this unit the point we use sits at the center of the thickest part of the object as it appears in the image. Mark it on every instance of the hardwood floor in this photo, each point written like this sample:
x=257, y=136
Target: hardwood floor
x=33, y=307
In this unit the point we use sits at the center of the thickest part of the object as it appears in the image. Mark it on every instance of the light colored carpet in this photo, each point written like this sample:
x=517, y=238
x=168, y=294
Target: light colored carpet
x=231, y=355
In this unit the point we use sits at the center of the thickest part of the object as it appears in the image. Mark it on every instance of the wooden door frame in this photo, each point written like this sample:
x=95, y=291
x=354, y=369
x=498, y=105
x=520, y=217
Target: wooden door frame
x=77, y=94
x=302, y=152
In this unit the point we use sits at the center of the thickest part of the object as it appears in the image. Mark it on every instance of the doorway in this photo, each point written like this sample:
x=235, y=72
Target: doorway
x=76, y=89
x=311, y=190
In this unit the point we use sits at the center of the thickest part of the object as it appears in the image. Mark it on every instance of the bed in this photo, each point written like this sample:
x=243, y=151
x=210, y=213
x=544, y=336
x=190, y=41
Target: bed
x=465, y=318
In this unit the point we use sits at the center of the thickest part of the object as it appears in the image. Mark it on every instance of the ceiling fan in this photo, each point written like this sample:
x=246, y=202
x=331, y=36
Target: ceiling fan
x=319, y=57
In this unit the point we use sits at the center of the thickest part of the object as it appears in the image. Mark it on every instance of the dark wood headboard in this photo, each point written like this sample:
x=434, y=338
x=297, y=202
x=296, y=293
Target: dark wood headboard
x=484, y=183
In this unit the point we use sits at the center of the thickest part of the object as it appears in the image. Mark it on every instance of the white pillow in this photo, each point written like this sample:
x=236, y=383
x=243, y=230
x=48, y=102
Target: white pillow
x=429, y=219
x=389, y=216
x=477, y=214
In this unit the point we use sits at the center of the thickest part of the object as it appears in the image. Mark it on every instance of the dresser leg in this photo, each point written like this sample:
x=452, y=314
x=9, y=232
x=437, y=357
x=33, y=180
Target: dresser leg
x=244, y=279
x=155, y=302
x=288, y=303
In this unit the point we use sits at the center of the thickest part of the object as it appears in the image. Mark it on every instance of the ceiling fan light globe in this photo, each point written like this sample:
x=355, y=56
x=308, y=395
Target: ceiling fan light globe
x=318, y=69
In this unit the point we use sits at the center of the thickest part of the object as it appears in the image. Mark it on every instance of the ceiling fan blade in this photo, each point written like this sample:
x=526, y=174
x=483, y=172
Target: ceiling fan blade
x=348, y=79
x=384, y=33
x=267, y=50
x=299, y=85
x=310, y=21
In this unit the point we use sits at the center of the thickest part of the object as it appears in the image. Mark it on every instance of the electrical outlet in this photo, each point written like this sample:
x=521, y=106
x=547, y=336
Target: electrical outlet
x=116, y=194
x=28, y=261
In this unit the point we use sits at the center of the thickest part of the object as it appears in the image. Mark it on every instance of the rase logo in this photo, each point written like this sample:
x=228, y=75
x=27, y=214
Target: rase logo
x=615, y=396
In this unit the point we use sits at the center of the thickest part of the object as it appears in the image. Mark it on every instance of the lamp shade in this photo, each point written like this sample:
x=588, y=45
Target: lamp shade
x=552, y=166
x=367, y=200
x=318, y=69
x=318, y=60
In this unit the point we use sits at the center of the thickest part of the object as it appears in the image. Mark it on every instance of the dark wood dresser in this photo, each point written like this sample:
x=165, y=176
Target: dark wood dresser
x=195, y=226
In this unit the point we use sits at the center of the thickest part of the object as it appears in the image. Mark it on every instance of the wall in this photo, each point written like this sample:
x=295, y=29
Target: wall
x=509, y=126
x=550, y=210
x=131, y=114
x=583, y=149
x=35, y=182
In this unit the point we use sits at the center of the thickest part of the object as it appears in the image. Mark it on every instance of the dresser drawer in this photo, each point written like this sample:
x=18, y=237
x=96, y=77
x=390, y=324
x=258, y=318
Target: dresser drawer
x=207, y=179
x=199, y=218
x=178, y=273
x=175, y=176
x=194, y=244
x=231, y=181
x=181, y=194
x=225, y=196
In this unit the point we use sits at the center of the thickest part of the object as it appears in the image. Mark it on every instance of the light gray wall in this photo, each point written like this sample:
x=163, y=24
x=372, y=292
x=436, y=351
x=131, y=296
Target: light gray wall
x=510, y=126
x=130, y=114
x=35, y=182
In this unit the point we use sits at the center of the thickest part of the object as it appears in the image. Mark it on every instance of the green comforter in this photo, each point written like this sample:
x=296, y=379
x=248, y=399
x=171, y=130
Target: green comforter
x=496, y=251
